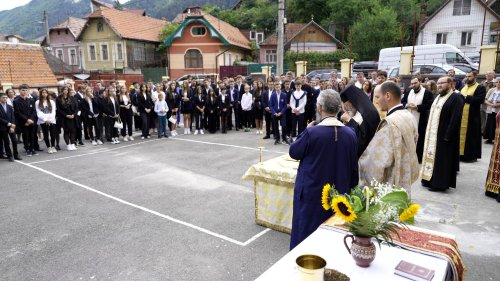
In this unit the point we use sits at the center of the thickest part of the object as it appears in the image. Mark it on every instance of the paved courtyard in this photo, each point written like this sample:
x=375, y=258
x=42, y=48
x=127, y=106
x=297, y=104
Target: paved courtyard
x=177, y=209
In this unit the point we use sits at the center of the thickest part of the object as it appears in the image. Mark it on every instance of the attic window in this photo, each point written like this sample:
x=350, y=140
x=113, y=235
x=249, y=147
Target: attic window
x=100, y=27
x=198, y=30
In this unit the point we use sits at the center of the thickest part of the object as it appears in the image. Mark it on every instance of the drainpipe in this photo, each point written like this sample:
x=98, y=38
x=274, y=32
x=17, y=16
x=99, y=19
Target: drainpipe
x=217, y=61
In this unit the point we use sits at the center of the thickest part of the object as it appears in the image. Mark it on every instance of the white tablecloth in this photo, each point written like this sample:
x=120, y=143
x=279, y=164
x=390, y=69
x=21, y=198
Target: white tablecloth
x=329, y=245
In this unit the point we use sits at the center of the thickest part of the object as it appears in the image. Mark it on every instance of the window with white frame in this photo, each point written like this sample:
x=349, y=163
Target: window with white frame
x=59, y=54
x=140, y=51
x=72, y=57
x=461, y=7
x=441, y=38
x=198, y=30
x=119, y=51
x=260, y=37
x=92, y=52
x=104, y=52
x=271, y=56
x=466, y=38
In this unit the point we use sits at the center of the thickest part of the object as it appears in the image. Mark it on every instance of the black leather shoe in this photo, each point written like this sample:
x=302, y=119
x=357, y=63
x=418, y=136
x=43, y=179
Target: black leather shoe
x=81, y=143
x=11, y=159
x=267, y=137
x=38, y=149
x=277, y=142
x=57, y=147
x=17, y=157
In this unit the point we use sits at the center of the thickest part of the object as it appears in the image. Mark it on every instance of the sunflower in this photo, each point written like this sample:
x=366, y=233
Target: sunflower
x=343, y=209
x=409, y=213
x=324, y=196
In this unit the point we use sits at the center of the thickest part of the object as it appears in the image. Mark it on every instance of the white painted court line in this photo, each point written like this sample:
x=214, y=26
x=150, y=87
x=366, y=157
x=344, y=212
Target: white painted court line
x=201, y=229
x=91, y=153
x=228, y=145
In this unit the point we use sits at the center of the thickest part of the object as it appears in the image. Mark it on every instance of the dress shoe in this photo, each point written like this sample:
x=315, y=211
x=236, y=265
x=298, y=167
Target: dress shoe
x=58, y=147
x=286, y=141
x=17, y=157
x=277, y=142
x=3, y=156
x=38, y=149
x=267, y=137
x=11, y=159
x=81, y=143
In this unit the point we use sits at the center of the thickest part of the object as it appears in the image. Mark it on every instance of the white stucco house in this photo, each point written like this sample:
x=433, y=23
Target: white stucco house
x=460, y=23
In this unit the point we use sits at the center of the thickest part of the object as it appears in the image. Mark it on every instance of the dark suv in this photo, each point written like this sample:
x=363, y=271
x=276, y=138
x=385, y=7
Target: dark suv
x=365, y=66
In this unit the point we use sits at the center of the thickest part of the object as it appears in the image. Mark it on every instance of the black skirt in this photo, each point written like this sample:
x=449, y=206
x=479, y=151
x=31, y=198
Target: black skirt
x=489, y=129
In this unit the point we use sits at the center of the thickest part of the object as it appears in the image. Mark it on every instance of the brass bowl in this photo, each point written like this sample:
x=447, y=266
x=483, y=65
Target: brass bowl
x=311, y=262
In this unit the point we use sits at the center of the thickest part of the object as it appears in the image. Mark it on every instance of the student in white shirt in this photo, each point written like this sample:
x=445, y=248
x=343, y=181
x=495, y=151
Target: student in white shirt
x=46, y=113
x=161, y=109
x=298, y=102
x=246, y=107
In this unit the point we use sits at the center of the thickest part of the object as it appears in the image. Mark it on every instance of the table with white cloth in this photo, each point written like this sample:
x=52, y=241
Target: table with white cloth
x=274, y=181
x=328, y=243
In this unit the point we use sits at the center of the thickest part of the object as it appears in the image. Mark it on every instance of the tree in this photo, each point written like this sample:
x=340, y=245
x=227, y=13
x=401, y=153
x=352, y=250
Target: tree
x=374, y=31
x=165, y=33
x=252, y=14
x=300, y=11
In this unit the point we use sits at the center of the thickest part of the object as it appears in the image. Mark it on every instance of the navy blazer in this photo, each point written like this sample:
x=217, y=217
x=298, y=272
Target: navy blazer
x=143, y=104
x=278, y=105
x=236, y=96
x=199, y=102
x=6, y=118
x=24, y=109
x=265, y=98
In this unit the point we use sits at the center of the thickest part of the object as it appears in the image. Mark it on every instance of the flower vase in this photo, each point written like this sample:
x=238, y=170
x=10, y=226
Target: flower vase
x=362, y=249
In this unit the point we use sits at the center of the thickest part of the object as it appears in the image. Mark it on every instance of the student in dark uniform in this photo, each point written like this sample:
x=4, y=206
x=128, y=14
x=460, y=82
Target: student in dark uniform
x=111, y=109
x=224, y=108
x=144, y=106
x=186, y=106
x=25, y=113
x=211, y=109
x=173, y=102
x=267, y=111
x=277, y=104
x=126, y=113
x=199, y=109
x=67, y=108
x=91, y=110
x=8, y=129
x=258, y=109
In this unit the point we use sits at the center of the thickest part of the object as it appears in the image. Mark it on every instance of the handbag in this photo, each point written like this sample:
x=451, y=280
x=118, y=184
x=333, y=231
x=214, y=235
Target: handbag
x=173, y=119
x=118, y=123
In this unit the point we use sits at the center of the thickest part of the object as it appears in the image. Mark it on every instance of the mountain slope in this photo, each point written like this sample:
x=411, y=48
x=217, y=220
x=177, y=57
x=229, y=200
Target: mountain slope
x=27, y=20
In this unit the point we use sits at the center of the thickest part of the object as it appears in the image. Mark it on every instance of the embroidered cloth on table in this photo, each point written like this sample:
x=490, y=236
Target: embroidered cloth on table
x=422, y=241
x=273, y=185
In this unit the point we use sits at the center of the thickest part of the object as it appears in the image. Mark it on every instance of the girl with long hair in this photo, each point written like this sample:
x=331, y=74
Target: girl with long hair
x=186, y=106
x=112, y=109
x=67, y=109
x=211, y=111
x=199, y=109
x=144, y=106
x=93, y=118
x=46, y=113
x=173, y=105
x=126, y=113
x=258, y=110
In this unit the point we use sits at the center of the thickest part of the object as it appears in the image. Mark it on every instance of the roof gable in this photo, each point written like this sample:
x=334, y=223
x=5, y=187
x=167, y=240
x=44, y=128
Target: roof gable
x=129, y=25
x=292, y=30
x=25, y=63
x=219, y=29
x=75, y=25
x=428, y=19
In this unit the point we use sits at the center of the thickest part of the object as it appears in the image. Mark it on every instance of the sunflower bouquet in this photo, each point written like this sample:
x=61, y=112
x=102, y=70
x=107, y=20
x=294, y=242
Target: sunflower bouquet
x=372, y=211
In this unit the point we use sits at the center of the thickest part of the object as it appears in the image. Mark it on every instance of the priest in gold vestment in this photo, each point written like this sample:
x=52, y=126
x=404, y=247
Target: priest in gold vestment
x=391, y=155
x=470, y=129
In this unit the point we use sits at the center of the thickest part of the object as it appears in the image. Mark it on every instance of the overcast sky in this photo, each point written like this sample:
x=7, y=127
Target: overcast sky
x=11, y=4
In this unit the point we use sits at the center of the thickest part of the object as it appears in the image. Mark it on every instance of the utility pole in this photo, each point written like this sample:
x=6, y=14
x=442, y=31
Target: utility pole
x=279, y=51
x=46, y=20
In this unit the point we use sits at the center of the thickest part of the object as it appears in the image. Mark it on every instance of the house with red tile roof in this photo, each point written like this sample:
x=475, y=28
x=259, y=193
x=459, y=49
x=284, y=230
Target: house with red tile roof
x=24, y=64
x=120, y=41
x=299, y=37
x=62, y=41
x=203, y=43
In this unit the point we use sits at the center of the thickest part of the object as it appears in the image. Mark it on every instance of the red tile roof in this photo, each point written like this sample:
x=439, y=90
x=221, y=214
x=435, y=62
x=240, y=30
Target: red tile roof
x=291, y=30
x=130, y=25
x=232, y=34
x=24, y=63
x=75, y=25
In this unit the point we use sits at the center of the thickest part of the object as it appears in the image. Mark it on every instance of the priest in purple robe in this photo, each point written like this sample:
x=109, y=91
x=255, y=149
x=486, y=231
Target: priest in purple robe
x=328, y=153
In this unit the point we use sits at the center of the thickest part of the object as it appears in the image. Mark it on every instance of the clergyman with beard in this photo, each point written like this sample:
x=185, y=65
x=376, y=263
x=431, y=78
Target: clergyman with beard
x=470, y=132
x=441, y=157
x=418, y=102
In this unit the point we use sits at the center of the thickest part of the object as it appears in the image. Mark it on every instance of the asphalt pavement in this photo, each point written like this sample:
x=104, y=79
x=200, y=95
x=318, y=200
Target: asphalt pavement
x=177, y=209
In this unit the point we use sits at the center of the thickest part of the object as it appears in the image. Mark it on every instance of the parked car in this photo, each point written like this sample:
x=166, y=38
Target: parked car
x=475, y=59
x=364, y=66
x=197, y=77
x=465, y=67
x=433, y=71
x=318, y=72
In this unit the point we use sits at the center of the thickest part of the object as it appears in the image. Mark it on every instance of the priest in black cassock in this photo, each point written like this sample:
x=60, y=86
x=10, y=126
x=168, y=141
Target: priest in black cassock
x=418, y=102
x=470, y=129
x=359, y=114
x=441, y=157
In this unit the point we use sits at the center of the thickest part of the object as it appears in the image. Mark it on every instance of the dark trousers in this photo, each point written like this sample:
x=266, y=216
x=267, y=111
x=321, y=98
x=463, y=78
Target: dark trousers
x=237, y=115
x=224, y=121
x=126, y=117
x=198, y=119
x=5, y=136
x=99, y=124
x=85, y=128
x=49, y=130
x=78, y=128
x=145, y=124
x=162, y=125
x=229, y=118
x=247, y=118
x=91, y=127
x=35, y=137
x=137, y=121
x=268, y=118
x=300, y=120
x=28, y=137
x=111, y=131
x=276, y=127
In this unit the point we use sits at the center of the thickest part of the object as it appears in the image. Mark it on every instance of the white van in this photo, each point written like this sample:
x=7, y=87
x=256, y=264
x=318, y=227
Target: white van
x=424, y=54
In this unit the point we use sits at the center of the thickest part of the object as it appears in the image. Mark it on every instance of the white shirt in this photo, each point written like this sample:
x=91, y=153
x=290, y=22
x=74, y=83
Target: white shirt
x=44, y=115
x=246, y=102
x=302, y=97
x=125, y=99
